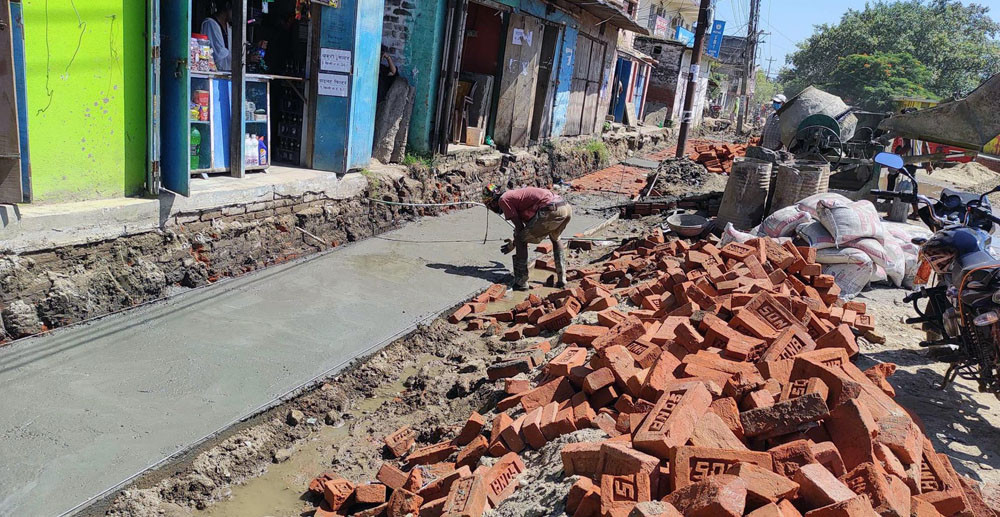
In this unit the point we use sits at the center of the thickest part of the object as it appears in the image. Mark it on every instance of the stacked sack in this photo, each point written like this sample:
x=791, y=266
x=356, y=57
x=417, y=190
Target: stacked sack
x=853, y=243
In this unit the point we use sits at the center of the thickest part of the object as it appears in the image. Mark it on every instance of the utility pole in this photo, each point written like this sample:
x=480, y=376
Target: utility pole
x=769, y=62
x=687, y=116
x=749, y=63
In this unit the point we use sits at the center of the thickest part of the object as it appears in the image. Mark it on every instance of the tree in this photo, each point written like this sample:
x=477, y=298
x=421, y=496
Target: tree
x=765, y=89
x=871, y=81
x=956, y=43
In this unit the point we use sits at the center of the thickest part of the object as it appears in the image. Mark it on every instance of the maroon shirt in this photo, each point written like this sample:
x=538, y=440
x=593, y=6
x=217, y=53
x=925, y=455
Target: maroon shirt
x=520, y=205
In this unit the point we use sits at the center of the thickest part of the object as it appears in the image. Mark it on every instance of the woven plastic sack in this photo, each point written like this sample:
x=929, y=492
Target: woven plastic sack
x=810, y=203
x=815, y=235
x=842, y=256
x=850, y=278
x=849, y=221
x=784, y=222
x=731, y=234
x=888, y=255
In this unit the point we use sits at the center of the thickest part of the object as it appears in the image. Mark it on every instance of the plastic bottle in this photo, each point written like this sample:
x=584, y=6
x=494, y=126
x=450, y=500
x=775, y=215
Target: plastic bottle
x=261, y=152
x=195, y=148
x=247, y=149
x=253, y=150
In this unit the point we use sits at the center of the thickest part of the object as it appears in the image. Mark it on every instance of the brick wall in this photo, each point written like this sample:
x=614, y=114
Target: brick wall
x=396, y=30
x=663, y=81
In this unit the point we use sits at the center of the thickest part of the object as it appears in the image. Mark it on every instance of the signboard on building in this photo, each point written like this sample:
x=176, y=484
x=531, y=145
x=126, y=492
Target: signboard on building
x=684, y=36
x=332, y=85
x=335, y=60
x=662, y=26
x=715, y=39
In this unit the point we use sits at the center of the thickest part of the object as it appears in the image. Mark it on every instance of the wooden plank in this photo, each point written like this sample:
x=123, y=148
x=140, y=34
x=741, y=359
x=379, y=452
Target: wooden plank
x=531, y=46
x=578, y=89
x=10, y=149
x=508, y=81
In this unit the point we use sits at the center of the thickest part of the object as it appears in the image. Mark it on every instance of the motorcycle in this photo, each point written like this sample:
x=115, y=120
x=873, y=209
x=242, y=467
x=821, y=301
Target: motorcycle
x=960, y=311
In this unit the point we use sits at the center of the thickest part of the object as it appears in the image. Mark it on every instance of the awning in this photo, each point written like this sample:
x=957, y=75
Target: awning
x=638, y=56
x=610, y=13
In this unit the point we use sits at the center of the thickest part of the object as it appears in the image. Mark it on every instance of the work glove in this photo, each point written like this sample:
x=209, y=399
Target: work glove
x=508, y=246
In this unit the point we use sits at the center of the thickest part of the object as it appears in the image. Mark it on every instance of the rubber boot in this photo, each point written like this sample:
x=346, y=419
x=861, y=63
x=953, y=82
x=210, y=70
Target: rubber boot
x=557, y=255
x=520, y=274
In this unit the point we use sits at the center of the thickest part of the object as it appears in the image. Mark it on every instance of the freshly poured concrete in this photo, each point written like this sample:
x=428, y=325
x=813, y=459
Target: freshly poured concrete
x=85, y=408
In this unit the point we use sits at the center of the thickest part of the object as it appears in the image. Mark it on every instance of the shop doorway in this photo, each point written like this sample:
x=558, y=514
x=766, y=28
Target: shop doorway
x=479, y=66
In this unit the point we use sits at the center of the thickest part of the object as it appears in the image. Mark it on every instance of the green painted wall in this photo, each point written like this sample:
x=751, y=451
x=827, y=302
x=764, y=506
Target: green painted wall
x=426, y=40
x=85, y=74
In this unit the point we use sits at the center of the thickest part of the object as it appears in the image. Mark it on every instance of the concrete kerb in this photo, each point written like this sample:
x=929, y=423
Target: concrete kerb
x=306, y=386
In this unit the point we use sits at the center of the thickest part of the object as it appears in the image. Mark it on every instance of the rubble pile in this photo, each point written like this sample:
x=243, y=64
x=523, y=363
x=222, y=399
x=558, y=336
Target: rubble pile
x=718, y=157
x=674, y=175
x=721, y=378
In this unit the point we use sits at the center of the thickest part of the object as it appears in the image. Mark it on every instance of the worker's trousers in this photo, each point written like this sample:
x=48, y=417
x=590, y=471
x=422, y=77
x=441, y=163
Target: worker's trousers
x=549, y=221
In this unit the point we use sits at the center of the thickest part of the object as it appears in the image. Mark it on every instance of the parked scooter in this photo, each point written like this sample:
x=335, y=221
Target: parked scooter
x=962, y=310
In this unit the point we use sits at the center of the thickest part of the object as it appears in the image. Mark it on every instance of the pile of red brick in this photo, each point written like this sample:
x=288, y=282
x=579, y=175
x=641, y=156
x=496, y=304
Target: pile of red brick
x=717, y=157
x=725, y=388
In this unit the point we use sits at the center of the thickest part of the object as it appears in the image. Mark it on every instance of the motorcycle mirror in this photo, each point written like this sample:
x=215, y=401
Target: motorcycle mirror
x=890, y=160
x=919, y=241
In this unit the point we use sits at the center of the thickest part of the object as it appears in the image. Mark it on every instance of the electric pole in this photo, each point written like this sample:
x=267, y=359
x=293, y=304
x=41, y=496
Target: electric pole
x=749, y=63
x=769, y=62
x=687, y=116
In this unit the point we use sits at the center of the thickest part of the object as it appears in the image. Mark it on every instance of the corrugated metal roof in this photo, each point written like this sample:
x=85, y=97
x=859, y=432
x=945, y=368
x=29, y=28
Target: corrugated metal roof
x=610, y=13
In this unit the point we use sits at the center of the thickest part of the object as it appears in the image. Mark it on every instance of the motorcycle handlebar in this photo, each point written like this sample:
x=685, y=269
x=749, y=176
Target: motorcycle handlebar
x=985, y=213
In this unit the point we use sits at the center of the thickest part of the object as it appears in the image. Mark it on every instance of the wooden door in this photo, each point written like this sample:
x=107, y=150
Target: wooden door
x=592, y=99
x=10, y=157
x=548, y=72
x=517, y=84
x=578, y=88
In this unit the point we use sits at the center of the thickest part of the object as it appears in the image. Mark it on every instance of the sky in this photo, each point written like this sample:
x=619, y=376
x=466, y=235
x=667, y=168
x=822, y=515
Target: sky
x=792, y=21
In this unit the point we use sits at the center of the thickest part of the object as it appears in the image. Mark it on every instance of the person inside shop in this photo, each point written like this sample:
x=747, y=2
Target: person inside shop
x=218, y=28
x=386, y=74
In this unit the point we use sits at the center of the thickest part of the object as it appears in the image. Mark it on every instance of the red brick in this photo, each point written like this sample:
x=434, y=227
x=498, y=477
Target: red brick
x=818, y=487
x=888, y=496
x=841, y=337
x=611, y=317
x=742, y=383
x=501, y=479
x=473, y=452
x=466, y=498
x=473, y=426
x=853, y=429
x=621, y=335
x=582, y=334
x=661, y=373
x=569, y=358
x=712, y=431
x=789, y=457
x=728, y=411
x=763, y=485
x=414, y=480
x=461, y=313
x=532, y=429
x=511, y=435
x=790, y=342
x=620, y=361
x=440, y=487
x=431, y=454
x=716, y=496
x=403, y=502
x=644, y=352
x=400, y=441
x=693, y=464
x=784, y=417
x=689, y=337
x=672, y=419
x=337, y=492
x=800, y=387
x=581, y=487
x=516, y=386
x=581, y=459
x=598, y=379
x=756, y=400
x=619, y=493
x=558, y=318
x=826, y=454
x=857, y=506
x=558, y=390
x=391, y=476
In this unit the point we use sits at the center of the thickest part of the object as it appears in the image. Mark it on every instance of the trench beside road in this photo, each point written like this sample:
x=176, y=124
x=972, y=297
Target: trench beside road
x=86, y=407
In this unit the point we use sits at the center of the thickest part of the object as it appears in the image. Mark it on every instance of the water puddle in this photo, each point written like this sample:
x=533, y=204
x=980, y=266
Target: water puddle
x=279, y=492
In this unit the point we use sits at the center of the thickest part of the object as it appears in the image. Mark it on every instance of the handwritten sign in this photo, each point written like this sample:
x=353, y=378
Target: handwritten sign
x=335, y=60
x=333, y=85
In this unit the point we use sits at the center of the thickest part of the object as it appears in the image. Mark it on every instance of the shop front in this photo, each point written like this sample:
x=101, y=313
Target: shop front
x=300, y=93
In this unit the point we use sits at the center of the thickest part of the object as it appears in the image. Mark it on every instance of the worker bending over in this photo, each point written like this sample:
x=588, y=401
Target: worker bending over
x=536, y=213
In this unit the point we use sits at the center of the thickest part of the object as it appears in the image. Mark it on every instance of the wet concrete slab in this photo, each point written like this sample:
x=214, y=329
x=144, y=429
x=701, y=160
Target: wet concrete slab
x=87, y=407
